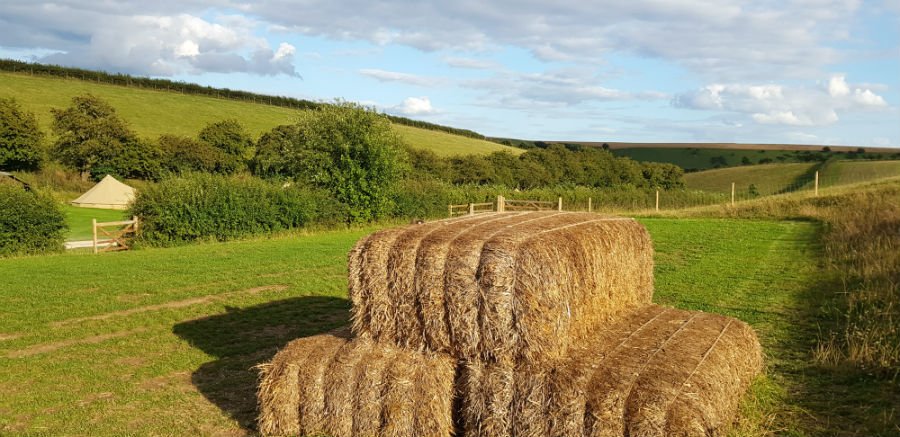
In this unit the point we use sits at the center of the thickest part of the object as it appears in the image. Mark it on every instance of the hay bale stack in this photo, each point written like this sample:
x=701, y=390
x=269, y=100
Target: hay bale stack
x=508, y=287
x=329, y=384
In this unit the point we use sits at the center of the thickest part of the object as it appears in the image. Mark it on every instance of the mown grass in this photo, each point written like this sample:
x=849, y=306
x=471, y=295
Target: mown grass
x=162, y=341
x=152, y=113
x=79, y=220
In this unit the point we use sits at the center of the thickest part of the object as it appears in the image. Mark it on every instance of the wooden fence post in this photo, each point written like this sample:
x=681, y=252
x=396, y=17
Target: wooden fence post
x=471, y=209
x=135, y=219
x=732, y=194
x=657, y=200
x=559, y=204
x=449, y=210
x=817, y=184
x=590, y=207
x=94, y=230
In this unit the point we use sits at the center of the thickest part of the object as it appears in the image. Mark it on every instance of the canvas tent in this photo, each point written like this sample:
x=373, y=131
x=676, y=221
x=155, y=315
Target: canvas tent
x=109, y=193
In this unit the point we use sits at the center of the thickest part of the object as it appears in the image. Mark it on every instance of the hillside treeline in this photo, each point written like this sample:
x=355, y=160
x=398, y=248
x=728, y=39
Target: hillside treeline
x=339, y=163
x=194, y=89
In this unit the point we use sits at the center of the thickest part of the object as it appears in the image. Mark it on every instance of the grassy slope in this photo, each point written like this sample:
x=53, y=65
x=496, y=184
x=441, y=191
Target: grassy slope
x=447, y=145
x=152, y=113
x=768, y=178
x=186, y=369
x=774, y=178
x=844, y=172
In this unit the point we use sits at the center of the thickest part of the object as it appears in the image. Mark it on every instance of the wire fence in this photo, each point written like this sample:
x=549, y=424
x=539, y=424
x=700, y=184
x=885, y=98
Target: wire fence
x=719, y=189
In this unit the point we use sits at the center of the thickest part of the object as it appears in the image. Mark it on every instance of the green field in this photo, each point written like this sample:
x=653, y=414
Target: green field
x=781, y=178
x=162, y=341
x=768, y=178
x=847, y=172
x=79, y=220
x=152, y=113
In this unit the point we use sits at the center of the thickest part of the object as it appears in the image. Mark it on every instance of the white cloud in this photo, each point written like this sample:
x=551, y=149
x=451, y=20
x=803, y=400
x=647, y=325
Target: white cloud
x=561, y=87
x=415, y=106
x=393, y=76
x=130, y=40
x=475, y=64
x=777, y=104
x=868, y=98
x=720, y=39
x=837, y=86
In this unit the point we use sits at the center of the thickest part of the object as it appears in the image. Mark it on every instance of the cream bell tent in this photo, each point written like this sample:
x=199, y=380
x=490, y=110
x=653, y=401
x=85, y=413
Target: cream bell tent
x=109, y=193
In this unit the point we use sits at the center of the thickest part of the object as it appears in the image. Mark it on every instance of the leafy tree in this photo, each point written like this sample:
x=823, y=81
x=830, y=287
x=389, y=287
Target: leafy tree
x=230, y=138
x=745, y=161
x=93, y=139
x=20, y=137
x=274, y=152
x=182, y=154
x=354, y=153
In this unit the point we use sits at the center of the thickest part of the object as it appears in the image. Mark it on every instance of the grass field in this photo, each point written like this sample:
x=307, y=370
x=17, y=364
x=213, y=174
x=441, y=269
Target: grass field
x=768, y=178
x=162, y=341
x=780, y=178
x=844, y=172
x=79, y=220
x=152, y=113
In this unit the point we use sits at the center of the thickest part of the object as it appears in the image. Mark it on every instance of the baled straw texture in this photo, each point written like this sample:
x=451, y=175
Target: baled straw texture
x=657, y=372
x=331, y=385
x=506, y=287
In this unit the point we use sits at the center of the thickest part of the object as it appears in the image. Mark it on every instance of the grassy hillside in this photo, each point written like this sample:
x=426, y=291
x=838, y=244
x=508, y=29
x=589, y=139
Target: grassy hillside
x=776, y=178
x=152, y=113
x=768, y=178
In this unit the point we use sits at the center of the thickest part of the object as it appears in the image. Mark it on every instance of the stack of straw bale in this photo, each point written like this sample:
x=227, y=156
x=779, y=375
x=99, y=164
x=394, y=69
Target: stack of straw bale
x=510, y=324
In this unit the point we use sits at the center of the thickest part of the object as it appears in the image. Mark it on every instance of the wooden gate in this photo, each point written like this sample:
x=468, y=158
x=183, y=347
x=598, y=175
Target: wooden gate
x=113, y=236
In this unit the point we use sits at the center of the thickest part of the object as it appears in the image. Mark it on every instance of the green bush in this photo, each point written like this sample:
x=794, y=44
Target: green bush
x=210, y=207
x=29, y=223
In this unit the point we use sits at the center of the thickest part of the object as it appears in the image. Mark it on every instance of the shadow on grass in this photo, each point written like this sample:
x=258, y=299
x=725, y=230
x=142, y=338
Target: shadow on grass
x=245, y=337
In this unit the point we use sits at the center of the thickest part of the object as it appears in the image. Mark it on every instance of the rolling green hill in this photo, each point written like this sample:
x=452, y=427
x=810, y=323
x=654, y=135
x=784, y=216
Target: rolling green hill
x=779, y=178
x=151, y=112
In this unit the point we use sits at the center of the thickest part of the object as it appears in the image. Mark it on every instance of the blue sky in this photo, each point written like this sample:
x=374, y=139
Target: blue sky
x=804, y=71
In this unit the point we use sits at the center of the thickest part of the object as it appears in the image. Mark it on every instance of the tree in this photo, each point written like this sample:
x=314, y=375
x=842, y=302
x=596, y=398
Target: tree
x=354, y=153
x=745, y=161
x=274, y=152
x=181, y=154
x=230, y=138
x=92, y=139
x=20, y=137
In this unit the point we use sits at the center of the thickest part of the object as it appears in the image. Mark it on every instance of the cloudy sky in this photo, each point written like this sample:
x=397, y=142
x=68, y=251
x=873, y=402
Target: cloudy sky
x=798, y=71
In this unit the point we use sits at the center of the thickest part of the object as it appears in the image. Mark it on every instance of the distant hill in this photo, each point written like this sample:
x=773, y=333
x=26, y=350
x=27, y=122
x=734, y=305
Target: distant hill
x=153, y=112
x=703, y=156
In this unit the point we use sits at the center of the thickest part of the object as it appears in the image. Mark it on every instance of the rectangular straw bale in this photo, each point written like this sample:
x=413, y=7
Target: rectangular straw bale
x=506, y=286
x=695, y=384
x=280, y=395
x=356, y=388
x=429, y=278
